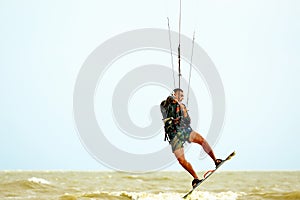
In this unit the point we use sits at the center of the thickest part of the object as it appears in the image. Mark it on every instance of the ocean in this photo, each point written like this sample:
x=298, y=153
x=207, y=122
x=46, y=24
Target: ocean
x=169, y=185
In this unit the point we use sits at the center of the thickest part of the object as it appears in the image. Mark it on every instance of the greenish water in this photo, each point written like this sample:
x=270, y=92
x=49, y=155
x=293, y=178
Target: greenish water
x=80, y=185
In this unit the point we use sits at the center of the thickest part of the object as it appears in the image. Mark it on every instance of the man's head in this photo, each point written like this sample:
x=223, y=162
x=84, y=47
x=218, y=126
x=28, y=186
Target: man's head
x=178, y=94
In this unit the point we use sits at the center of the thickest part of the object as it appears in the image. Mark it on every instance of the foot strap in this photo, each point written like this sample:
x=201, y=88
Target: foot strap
x=208, y=172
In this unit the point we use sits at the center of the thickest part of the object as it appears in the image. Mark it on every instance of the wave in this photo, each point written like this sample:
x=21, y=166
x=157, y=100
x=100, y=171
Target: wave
x=203, y=195
x=162, y=196
x=294, y=195
x=67, y=197
x=143, y=178
x=30, y=183
x=39, y=180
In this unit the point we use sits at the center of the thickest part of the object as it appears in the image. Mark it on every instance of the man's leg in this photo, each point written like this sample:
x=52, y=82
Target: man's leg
x=179, y=153
x=197, y=138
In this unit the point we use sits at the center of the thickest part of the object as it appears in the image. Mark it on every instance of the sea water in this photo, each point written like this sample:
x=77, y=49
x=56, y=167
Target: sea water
x=169, y=185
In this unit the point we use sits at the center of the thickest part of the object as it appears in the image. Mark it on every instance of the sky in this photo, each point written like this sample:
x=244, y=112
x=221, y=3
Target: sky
x=253, y=44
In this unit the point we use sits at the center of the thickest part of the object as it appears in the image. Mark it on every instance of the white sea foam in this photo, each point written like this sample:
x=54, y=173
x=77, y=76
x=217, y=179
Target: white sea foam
x=39, y=180
x=229, y=195
x=148, y=196
x=176, y=196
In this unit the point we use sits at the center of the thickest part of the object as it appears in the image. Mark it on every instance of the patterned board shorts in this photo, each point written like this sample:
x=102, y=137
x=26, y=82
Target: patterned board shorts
x=180, y=138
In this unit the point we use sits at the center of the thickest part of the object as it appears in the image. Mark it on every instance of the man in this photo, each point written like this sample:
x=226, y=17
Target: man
x=178, y=131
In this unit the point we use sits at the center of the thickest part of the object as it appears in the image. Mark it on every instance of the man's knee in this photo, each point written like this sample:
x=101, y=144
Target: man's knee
x=196, y=137
x=200, y=139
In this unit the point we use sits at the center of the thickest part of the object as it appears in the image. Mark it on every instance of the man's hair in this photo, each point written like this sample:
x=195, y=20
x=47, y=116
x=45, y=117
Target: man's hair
x=177, y=89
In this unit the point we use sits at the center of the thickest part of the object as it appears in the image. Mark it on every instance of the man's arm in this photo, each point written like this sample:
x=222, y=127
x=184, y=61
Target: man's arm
x=184, y=110
x=174, y=110
x=186, y=118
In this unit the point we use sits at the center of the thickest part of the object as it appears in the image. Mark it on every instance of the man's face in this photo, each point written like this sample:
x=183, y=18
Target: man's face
x=179, y=96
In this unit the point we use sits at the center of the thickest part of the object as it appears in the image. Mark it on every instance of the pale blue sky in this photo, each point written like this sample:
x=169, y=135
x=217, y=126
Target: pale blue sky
x=254, y=44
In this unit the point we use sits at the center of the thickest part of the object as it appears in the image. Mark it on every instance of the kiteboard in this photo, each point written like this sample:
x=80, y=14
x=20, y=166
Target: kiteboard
x=208, y=174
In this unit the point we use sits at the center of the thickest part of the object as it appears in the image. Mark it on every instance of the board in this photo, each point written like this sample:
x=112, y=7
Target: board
x=208, y=174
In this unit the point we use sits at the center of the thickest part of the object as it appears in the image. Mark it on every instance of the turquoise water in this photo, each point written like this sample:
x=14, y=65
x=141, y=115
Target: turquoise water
x=78, y=185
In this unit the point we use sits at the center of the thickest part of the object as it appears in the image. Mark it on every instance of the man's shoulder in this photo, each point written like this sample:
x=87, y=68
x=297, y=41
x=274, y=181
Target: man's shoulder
x=165, y=103
x=183, y=105
x=171, y=100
